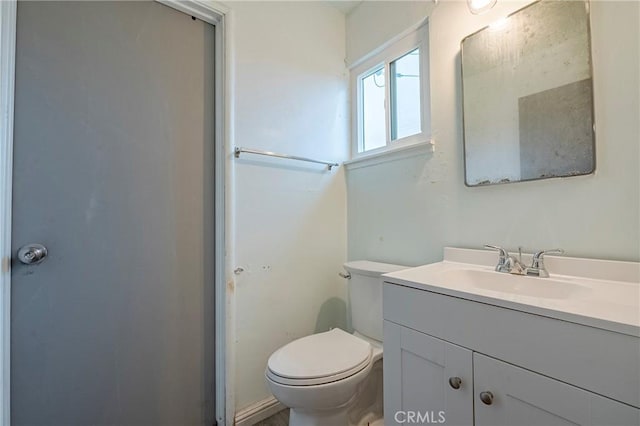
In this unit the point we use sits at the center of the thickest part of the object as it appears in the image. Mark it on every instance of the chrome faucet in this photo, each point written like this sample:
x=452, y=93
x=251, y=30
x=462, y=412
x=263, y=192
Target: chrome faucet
x=508, y=263
x=537, y=268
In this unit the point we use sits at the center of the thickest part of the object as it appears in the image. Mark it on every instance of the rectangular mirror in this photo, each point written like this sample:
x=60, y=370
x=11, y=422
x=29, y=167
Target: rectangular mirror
x=528, y=96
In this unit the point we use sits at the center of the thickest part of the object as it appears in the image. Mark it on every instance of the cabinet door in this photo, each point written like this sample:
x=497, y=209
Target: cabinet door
x=522, y=397
x=417, y=373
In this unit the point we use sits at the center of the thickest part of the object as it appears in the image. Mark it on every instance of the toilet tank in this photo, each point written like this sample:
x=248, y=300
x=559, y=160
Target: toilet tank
x=365, y=295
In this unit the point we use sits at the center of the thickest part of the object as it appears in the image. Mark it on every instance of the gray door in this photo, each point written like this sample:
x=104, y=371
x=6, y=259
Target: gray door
x=113, y=173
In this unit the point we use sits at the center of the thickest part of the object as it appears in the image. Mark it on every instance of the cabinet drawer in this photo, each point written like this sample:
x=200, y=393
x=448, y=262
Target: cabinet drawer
x=597, y=360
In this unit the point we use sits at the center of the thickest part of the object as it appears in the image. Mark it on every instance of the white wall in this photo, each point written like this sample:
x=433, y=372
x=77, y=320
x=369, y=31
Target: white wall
x=290, y=219
x=405, y=211
x=291, y=92
x=372, y=23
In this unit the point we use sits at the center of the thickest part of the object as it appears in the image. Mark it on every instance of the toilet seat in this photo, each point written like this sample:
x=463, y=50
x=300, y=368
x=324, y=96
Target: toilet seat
x=319, y=359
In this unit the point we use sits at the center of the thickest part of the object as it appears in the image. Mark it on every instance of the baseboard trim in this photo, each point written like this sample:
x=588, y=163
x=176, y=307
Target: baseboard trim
x=259, y=411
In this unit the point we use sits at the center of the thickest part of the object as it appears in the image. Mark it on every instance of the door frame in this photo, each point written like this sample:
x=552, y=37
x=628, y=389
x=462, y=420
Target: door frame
x=218, y=15
x=7, y=80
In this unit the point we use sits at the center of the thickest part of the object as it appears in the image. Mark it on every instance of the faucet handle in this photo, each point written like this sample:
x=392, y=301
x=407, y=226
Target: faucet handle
x=503, y=258
x=503, y=252
x=539, y=256
x=537, y=268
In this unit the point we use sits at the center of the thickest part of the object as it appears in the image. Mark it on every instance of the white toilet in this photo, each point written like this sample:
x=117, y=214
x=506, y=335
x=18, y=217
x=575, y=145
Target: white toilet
x=335, y=378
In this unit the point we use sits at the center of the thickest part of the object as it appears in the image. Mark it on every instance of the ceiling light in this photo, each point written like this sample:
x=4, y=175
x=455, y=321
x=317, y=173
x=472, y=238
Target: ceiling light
x=480, y=6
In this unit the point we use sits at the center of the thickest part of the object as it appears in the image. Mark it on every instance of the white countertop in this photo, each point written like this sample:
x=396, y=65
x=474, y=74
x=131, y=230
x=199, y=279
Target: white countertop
x=609, y=304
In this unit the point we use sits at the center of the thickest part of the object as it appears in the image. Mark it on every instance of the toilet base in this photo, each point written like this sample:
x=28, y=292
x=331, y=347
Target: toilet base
x=365, y=408
x=328, y=418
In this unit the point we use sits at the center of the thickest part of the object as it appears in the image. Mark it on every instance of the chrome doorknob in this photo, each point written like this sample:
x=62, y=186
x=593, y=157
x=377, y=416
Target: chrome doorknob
x=32, y=254
x=455, y=382
x=486, y=397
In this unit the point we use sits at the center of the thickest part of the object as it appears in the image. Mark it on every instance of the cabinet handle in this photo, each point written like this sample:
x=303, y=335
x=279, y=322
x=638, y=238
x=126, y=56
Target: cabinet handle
x=486, y=397
x=455, y=382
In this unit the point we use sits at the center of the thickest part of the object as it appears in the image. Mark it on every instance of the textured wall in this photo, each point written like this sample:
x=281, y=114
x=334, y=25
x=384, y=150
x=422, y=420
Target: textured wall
x=405, y=211
x=290, y=222
x=372, y=23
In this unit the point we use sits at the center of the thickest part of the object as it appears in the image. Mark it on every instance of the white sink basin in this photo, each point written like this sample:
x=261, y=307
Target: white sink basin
x=546, y=288
x=594, y=292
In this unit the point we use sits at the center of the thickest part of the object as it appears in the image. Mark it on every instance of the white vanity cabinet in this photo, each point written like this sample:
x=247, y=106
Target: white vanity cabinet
x=515, y=368
x=426, y=377
x=514, y=396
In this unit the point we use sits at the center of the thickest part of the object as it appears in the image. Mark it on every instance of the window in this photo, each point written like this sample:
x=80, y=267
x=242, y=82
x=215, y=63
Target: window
x=373, y=111
x=390, y=91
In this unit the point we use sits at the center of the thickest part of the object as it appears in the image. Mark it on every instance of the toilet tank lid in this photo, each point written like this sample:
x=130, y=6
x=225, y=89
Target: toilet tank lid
x=372, y=269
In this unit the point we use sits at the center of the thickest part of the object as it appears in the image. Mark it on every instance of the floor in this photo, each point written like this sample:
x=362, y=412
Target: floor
x=279, y=419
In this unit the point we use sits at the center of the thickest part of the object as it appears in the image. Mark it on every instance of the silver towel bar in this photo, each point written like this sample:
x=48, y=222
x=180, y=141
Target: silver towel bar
x=240, y=150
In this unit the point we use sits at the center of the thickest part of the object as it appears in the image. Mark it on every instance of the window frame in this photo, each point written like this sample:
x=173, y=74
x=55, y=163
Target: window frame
x=383, y=57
